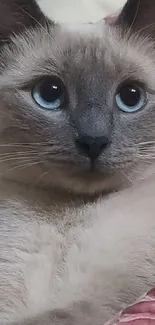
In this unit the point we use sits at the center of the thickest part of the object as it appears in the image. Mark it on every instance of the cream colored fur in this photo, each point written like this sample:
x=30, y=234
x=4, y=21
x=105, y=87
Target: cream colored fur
x=89, y=261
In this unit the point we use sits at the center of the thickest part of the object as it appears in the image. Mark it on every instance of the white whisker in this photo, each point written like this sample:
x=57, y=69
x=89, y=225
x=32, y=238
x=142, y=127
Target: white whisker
x=126, y=176
x=15, y=158
x=144, y=28
x=43, y=175
x=23, y=166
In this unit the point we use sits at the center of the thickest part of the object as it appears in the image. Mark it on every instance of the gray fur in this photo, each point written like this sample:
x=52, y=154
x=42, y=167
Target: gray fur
x=67, y=257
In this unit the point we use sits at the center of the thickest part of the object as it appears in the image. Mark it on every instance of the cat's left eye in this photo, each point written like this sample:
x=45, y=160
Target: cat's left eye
x=49, y=93
x=130, y=98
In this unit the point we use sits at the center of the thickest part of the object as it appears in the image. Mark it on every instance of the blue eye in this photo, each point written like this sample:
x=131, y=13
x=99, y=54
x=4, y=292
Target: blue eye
x=130, y=98
x=49, y=94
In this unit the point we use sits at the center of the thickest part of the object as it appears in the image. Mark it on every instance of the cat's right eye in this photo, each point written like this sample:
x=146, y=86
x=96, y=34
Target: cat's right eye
x=49, y=93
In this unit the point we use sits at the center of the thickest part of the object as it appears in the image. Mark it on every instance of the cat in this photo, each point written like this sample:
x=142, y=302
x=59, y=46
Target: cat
x=77, y=167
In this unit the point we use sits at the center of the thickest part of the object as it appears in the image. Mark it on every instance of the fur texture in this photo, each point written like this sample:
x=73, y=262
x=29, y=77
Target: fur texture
x=71, y=251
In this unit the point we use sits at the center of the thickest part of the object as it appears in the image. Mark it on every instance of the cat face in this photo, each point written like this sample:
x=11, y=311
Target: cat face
x=76, y=102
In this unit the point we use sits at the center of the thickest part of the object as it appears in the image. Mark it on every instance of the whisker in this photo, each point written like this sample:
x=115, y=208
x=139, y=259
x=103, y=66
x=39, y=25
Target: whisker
x=142, y=29
x=43, y=175
x=28, y=144
x=22, y=167
x=34, y=163
x=146, y=143
x=126, y=176
x=11, y=154
x=149, y=157
x=15, y=158
x=21, y=145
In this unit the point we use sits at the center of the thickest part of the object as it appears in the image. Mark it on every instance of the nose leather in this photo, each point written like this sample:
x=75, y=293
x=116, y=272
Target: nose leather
x=91, y=147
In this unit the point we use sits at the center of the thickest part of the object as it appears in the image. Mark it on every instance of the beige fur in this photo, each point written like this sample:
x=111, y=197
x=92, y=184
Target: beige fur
x=86, y=261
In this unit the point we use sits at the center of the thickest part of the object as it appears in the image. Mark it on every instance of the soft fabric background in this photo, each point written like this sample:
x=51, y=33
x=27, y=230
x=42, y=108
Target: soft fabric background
x=80, y=10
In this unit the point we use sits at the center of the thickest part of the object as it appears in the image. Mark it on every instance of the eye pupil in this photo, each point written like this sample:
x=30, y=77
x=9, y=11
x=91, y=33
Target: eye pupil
x=130, y=95
x=50, y=92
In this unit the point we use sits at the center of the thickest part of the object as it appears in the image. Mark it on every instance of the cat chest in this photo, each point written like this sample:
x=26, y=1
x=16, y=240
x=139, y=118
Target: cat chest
x=32, y=254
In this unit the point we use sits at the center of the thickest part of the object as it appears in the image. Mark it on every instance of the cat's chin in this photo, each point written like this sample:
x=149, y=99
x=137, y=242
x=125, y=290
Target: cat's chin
x=91, y=187
x=93, y=184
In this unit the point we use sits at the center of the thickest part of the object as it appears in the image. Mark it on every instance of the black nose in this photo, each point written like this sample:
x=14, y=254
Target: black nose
x=91, y=146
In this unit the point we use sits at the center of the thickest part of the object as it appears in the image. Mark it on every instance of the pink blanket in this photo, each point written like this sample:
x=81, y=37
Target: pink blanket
x=140, y=313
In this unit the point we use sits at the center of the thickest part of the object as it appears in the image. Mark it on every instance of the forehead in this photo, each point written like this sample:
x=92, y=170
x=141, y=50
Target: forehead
x=67, y=50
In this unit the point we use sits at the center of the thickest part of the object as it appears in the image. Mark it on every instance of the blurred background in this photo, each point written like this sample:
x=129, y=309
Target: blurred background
x=80, y=10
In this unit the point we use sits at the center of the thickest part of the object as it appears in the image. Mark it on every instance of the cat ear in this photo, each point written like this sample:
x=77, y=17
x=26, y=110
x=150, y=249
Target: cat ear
x=17, y=15
x=138, y=15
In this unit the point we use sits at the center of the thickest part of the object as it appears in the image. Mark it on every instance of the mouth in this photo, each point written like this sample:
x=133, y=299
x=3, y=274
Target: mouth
x=87, y=169
x=91, y=172
x=89, y=176
x=94, y=180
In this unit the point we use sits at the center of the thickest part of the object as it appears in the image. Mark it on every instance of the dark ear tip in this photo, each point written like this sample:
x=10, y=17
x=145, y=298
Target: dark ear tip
x=21, y=14
x=139, y=16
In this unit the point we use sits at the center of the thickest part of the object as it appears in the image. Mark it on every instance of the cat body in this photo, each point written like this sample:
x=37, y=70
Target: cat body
x=76, y=165
x=84, y=269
